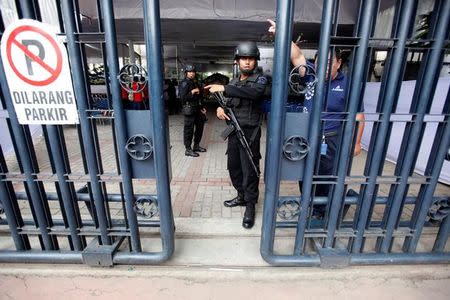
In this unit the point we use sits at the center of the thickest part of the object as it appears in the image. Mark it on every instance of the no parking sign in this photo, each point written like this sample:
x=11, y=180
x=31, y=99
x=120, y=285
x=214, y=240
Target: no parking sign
x=38, y=74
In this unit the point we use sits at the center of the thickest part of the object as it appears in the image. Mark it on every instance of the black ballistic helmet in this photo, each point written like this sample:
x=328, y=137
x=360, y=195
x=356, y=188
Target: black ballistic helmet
x=246, y=49
x=189, y=68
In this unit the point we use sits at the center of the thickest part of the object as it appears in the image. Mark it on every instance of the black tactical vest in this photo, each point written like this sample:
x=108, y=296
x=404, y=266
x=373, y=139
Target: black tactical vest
x=248, y=112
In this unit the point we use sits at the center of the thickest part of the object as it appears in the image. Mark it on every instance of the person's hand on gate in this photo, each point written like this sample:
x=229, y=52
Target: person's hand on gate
x=203, y=111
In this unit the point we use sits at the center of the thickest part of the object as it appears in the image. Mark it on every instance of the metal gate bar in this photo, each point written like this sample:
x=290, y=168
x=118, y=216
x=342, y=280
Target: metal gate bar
x=315, y=124
x=276, y=129
x=152, y=33
x=120, y=124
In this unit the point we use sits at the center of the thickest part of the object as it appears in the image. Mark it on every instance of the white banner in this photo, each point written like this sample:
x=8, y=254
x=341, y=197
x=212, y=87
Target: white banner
x=404, y=103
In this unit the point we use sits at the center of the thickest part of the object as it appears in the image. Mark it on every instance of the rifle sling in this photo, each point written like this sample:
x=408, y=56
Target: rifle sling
x=253, y=136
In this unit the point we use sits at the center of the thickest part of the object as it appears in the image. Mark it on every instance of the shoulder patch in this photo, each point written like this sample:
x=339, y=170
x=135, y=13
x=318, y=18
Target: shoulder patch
x=261, y=80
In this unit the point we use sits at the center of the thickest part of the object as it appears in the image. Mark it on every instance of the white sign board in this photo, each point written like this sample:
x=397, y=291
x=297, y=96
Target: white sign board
x=38, y=74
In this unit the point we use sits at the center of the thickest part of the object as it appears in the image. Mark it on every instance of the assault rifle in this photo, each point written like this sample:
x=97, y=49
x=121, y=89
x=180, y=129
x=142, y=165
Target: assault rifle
x=234, y=126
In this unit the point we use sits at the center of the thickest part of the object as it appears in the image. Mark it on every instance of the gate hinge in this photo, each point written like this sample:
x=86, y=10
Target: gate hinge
x=333, y=257
x=96, y=255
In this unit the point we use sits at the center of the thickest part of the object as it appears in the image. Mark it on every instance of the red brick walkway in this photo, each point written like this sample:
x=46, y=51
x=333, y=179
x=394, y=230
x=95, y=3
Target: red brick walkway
x=199, y=189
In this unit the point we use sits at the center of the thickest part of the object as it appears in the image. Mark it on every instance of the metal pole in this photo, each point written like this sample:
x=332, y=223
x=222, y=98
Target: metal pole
x=399, y=258
x=314, y=134
x=131, y=52
x=27, y=9
x=47, y=257
x=152, y=31
x=176, y=62
x=285, y=11
x=120, y=122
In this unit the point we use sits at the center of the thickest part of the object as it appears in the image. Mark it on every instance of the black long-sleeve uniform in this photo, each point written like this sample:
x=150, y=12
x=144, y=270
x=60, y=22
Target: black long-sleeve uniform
x=246, y=97
x=195, y=120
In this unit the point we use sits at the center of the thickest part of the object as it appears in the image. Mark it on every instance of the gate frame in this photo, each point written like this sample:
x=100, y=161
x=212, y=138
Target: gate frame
x=329, y=256
x=94, y=254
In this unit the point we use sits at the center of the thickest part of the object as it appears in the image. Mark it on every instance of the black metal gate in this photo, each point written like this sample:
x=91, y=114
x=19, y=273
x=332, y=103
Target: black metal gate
x=393, y=227
x=84, y=216
x=82, y=210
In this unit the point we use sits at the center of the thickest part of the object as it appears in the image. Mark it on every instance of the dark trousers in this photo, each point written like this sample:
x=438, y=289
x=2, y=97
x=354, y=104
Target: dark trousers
x=243, y=177
x=326, y=167
x=193, y=127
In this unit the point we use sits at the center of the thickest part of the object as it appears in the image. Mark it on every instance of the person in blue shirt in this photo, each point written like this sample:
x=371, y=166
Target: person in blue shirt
x=332, y=112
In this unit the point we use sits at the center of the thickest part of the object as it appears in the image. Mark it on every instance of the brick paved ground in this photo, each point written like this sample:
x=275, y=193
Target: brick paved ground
x=201, y=184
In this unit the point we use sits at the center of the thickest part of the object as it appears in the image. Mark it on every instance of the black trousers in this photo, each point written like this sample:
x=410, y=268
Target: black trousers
x=243, y=177
x=326, y=167
x=193, y=127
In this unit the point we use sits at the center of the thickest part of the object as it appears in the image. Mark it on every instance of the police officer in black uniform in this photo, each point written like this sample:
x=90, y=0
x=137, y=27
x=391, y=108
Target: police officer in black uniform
x=245, y=95
x=194, y=112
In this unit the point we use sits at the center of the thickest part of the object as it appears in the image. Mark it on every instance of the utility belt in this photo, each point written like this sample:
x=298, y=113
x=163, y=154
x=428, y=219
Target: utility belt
x=189, y=109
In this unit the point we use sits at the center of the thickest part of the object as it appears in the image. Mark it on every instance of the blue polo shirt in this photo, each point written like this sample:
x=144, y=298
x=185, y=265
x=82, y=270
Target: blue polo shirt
x=333, y=113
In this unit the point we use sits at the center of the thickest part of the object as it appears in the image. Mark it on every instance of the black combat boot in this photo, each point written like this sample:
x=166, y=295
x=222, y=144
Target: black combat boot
x=249, y=216
x=236, y=201
x=197, y=148
x=189, y=152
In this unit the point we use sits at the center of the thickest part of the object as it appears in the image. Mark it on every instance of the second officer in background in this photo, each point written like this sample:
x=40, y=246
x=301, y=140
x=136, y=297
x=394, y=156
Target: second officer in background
x=193, y=111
